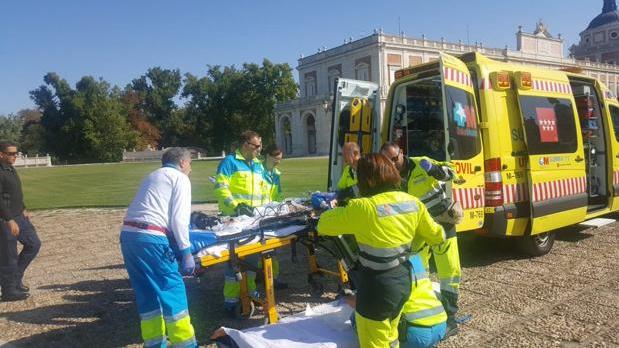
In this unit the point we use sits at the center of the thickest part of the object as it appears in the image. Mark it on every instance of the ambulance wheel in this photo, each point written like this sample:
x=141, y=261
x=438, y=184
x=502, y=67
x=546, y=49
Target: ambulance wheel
x=537, y=245
x=317, y=289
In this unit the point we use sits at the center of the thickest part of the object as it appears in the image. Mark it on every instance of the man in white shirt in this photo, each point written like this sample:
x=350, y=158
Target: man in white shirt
x=158, y=216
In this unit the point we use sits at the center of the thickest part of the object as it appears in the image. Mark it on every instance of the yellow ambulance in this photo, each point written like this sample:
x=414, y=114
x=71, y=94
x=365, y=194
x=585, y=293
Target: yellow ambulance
x=534, y=149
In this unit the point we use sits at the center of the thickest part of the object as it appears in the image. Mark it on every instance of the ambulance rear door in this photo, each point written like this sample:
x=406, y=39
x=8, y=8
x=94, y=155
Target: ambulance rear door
x=355, y=118
x=463, y=140
x=556, y=163
x=613, y=151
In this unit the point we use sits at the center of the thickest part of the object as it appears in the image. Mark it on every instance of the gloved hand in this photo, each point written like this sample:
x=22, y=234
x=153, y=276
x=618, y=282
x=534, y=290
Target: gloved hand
x=188, y=264
x=425, y=165
x=322, y=200
x=244, y=209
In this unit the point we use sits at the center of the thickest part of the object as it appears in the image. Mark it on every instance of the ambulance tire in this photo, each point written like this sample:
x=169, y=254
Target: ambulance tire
x=539, y=244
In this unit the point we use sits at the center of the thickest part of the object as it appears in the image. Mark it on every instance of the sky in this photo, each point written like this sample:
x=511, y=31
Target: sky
x=118, y=40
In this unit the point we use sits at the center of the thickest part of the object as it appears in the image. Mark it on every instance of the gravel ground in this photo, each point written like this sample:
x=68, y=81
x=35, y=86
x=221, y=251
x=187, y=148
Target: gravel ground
x=81, y=295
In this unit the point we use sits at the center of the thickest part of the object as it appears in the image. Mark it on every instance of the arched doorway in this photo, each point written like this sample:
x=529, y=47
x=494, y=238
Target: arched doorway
x=310, y=123
x=286, y=134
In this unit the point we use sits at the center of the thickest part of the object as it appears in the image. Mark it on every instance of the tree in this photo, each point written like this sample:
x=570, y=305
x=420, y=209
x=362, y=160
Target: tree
x=84, y=124
x=147, y=135
x=157, y=90
x=10, y=128
x=32, y=140
x=228, y=101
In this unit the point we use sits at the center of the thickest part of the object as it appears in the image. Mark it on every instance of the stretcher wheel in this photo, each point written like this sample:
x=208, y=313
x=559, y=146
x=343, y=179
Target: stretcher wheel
x=317, y=289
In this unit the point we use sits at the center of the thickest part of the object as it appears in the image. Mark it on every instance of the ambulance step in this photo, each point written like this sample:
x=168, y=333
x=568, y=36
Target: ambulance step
x=597, y=222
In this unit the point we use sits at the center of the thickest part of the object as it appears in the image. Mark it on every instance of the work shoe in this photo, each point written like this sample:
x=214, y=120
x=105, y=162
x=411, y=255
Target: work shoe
x=452, y=328
x=21, y=287
x=15, y=296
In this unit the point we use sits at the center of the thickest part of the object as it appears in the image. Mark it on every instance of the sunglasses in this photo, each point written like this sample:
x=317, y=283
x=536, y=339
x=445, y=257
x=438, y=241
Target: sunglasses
x=255, y=146
x=12, y=154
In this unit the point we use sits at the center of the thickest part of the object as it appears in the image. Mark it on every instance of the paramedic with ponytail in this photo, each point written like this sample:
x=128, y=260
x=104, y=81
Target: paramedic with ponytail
x=385, y=221
x=158, y=216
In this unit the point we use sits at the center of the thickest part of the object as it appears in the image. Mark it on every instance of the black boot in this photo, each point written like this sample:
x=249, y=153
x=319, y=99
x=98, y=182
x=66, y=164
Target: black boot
x=14, y=295
x=23, y=288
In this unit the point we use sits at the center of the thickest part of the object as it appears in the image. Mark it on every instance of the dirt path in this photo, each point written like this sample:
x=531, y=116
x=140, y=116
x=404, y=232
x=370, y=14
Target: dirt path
x=81, y=295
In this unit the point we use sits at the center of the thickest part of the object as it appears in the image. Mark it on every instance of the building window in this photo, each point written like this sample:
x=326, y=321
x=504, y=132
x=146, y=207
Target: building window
x=334, y=72
x=362, y=72
x=310, y=84
x=614, y=35
x=392, y=70
x=311, y=134
x=286, y=134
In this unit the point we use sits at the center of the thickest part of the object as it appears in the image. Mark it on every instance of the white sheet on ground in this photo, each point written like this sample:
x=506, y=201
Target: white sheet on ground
x=326, y=325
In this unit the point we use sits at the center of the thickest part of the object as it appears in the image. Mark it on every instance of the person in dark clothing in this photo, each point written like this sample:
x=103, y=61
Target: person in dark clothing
x=15, y=226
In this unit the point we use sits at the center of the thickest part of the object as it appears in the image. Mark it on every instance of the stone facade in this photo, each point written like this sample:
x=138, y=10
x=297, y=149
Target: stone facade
x=303, y=126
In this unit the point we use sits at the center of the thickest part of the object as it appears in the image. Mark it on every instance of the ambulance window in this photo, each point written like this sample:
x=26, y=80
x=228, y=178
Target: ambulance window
x=464, y=141
x=549, y=125
x=614, y=115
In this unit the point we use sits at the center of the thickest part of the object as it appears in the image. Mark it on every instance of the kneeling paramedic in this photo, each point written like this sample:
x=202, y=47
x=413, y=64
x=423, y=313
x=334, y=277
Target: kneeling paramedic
x=425, y=179
x=158, y=216
x=424, y=321
x=384, y=222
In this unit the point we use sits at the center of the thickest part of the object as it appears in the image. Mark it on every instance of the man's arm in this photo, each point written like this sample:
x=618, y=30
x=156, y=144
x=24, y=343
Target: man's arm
x=5, y=215
x=336, y=222
x=180, y=212
x=222, y=184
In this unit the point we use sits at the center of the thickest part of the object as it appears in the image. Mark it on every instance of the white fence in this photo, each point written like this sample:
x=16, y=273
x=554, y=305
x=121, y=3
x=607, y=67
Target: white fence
x=36, y=161
x=150, y=155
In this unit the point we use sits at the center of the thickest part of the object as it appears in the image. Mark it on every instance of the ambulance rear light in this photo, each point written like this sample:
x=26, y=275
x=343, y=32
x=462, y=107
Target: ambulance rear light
x=524, y=80
x=494, y=182
x=501, y=80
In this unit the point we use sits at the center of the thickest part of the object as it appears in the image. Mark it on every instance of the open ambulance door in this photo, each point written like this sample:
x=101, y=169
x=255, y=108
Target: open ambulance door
x=613, y=110
x=463, y=141
x=556, y=162
x=355, y=118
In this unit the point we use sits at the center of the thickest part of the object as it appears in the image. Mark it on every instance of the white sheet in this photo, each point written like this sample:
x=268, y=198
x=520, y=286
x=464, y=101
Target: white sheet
x=327, y=325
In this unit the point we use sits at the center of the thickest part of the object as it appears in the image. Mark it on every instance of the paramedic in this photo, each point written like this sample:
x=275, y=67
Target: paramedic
x=347, y=187
x=158, y=216
x=423, y=321
x=273, y=193
x=15, y=226
x=384, y=222
x=240, y=186
x=423, y=178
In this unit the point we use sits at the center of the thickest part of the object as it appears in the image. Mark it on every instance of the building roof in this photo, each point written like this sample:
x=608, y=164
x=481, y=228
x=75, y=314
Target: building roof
x=609, y=15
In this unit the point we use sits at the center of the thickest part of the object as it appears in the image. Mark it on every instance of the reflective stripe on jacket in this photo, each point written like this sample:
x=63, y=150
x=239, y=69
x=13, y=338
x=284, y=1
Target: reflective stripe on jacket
x=239, y=181
x=423, y=308
x=384, y=226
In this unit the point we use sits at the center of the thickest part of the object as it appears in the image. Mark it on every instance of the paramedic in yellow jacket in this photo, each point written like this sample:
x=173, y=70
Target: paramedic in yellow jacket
x=272, y=174
x=424, y=178
x=347, y=186
x=239, y=187
x=384, y=223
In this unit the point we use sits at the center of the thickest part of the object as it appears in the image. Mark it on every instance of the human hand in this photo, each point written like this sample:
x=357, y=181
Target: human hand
x=13, y=227
x=244, y=209
x=188, y=265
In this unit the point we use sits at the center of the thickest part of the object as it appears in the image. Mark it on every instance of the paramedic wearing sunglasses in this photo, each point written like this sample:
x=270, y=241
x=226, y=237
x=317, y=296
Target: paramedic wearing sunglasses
x=385, y=221
x=424, y=178
x=15, y=226
x=240, y=186
x=156, y=223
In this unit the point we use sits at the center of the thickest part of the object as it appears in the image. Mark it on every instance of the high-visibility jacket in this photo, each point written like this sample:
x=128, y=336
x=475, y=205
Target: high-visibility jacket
x=423, y=308
x=426, y=187
x=348, y=180
x=273, y=189
x=239, y=181
x=384, y=226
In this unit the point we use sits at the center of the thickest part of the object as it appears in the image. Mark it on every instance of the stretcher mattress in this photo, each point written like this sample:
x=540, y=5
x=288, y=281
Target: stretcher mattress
x=204, y=242
x=326, y=325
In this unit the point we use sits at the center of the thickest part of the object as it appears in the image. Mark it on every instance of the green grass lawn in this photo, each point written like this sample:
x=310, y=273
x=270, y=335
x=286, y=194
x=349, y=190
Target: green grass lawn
x=113, y=185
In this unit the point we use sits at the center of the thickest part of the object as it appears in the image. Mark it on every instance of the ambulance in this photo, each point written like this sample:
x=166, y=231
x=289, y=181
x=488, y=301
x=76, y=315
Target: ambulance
x=534, y=149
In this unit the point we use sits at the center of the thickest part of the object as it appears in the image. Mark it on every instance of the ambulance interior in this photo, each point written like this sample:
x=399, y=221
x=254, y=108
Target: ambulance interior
x=593, y=136
x=418, y=120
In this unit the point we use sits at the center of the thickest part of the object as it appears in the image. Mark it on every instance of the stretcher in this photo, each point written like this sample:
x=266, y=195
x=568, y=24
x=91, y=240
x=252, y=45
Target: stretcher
x=276, y=227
